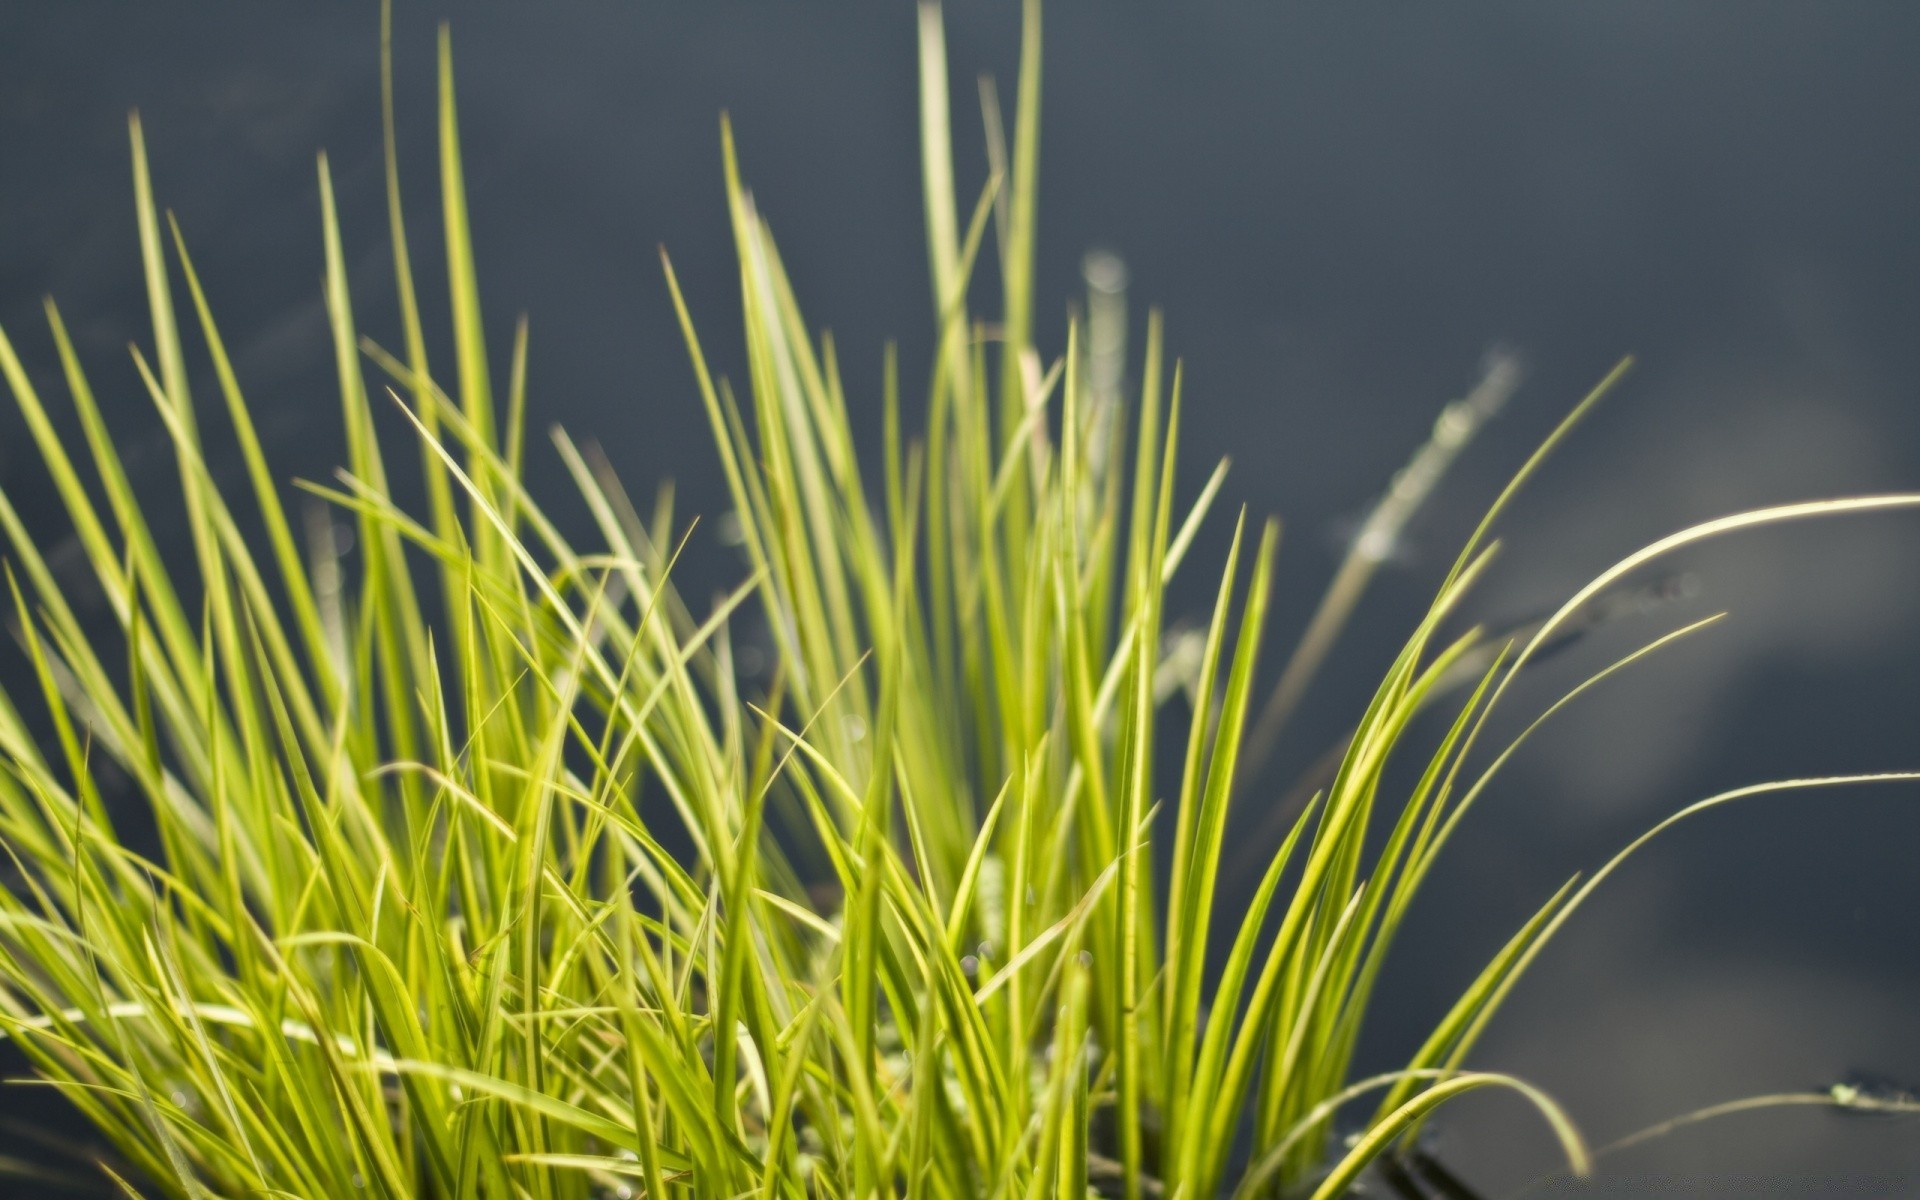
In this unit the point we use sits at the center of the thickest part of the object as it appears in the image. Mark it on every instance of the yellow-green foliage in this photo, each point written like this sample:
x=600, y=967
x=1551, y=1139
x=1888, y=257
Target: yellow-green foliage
x=410, y=928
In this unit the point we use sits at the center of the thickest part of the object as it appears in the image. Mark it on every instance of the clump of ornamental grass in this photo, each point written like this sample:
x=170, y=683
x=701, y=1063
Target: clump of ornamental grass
x=398, y=913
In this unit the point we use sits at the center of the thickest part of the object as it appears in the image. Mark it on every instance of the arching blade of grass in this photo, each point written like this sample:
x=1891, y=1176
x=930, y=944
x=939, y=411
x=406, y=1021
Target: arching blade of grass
x=1375, y=1141
x=482, y=866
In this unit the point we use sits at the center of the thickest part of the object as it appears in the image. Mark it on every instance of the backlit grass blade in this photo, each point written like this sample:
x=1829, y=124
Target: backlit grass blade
x=483, y=861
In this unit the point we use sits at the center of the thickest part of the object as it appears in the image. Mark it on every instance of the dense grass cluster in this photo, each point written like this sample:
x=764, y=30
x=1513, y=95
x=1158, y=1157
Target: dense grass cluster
x=478, y=869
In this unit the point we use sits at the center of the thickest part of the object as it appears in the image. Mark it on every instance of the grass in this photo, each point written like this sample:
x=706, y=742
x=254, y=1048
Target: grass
x=472, y=865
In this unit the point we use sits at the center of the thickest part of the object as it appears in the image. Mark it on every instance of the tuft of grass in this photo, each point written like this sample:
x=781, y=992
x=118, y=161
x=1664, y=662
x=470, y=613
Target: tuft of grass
x=477, y=868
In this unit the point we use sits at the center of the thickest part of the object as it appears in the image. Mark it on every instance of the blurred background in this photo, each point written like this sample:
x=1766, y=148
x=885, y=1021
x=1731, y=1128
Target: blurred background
x=1340, y=208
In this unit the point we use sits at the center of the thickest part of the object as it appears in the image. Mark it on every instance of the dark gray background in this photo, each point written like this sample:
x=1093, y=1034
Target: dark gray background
x=1339, y=207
